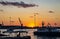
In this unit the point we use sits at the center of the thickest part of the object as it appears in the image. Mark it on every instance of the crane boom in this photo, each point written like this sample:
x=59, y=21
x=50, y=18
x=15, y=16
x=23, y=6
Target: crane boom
x=20, y=22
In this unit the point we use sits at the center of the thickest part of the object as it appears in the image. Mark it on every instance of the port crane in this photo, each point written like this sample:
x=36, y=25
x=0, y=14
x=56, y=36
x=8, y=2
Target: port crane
x=20, y=22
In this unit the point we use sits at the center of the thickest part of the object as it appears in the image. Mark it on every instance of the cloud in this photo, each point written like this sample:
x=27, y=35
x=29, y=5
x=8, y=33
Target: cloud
x=21, y=4
x=1, y=10
x=51, y=11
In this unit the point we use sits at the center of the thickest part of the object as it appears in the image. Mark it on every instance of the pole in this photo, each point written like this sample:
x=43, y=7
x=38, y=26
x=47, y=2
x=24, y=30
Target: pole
x=10, y=20
x=34, y=19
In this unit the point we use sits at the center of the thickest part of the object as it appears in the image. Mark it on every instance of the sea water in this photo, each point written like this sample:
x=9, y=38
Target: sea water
x=30, y=33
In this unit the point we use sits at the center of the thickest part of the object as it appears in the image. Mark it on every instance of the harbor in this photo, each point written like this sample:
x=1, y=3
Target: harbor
x=29, y=33
x=29, y=19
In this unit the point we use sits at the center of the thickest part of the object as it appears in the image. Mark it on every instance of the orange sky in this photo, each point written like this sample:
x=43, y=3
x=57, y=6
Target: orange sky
x=25, y=13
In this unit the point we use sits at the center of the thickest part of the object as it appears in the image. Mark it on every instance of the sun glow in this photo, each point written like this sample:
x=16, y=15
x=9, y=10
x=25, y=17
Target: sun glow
x=31, y=25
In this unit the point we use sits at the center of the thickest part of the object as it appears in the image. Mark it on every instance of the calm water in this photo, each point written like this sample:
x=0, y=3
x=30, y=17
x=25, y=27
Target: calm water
x=30, y=32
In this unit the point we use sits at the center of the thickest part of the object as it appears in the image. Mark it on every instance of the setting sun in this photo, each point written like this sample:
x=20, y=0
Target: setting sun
x=47, y=11
x=31, y=25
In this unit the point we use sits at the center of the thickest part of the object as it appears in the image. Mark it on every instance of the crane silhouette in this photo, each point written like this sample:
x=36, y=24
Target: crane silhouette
x=20, y=22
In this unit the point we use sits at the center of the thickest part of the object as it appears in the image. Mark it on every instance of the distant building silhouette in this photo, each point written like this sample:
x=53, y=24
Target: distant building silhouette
x=43, y=23
x=55, y=24
x=49, y=25
x=0, y=24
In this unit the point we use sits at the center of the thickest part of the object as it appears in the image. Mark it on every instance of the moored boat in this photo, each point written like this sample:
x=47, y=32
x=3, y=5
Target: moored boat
x=48, y=31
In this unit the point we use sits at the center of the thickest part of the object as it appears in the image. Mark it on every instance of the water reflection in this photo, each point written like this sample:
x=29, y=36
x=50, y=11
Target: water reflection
x=30, y=33
x=46, y=37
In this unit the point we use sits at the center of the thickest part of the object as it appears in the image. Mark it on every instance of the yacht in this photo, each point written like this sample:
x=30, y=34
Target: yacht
x=47, y=31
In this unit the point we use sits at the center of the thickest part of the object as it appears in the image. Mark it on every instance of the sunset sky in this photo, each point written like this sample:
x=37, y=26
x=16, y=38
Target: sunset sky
x=27, y=14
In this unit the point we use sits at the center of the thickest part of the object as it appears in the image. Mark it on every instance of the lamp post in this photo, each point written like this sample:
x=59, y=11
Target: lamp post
x=50, y=12
x=2, y=13
x=10, y=20
x=35, y=18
